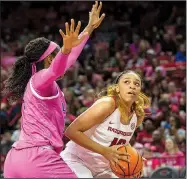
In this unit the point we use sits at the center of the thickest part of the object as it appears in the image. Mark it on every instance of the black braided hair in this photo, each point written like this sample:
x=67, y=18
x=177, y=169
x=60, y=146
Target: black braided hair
x=22, y=68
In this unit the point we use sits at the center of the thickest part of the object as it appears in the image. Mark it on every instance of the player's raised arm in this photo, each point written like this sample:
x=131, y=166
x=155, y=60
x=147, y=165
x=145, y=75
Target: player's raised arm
x=94, y=22
x=94, y=18
x=55, y=67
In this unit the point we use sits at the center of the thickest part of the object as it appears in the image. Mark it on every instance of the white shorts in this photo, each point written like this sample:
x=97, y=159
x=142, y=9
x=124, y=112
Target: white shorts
x=81, y=170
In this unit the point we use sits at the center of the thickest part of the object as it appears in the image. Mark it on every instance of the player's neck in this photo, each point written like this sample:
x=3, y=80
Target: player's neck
x=127, y=107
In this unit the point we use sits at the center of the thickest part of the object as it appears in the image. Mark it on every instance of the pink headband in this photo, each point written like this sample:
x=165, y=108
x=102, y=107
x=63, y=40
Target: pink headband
x=50, y=49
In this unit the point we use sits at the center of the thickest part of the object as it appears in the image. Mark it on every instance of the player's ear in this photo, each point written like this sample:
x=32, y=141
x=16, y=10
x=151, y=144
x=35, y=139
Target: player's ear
x=48, y=61
x=117, y=88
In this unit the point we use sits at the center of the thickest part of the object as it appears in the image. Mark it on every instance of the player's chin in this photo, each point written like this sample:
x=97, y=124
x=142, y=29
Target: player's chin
x=130, y=98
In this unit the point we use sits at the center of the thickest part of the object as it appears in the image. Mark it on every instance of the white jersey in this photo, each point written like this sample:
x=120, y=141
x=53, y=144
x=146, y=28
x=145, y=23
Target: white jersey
x=108, y=133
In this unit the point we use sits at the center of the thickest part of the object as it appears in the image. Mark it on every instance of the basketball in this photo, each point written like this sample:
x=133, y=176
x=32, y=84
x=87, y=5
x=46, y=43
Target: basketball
x=133, y=169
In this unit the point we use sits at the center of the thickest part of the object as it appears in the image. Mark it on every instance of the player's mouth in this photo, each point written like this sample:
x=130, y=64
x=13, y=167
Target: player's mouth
x=132, y=93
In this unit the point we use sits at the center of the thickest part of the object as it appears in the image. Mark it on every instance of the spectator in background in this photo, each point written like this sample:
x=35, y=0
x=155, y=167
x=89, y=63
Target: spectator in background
x=157, y=142
x=162, y=113
x=136, y=61
x=174, y=127
x=138, y=146
x=164, y=86
x=16, y=133
x=151, y=163
x=181, y=141
x=145, y=136
x=81, y=81
x=92, y=76
x=174, y=95
x=181, y=54
x=168, y=45
x=134, y=47
x=6, y=143
x=172, y=156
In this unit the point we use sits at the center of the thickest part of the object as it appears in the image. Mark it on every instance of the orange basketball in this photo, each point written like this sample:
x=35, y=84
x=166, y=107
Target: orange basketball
x=134, y=168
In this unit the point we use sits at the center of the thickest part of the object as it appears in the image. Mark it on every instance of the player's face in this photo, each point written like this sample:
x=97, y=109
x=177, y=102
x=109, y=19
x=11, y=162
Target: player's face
x=129, y=87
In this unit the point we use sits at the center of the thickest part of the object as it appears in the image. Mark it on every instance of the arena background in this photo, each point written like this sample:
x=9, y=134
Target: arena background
x=149, y=37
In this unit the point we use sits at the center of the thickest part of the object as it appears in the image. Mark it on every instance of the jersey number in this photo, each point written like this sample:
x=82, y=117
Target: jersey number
x=116, y=141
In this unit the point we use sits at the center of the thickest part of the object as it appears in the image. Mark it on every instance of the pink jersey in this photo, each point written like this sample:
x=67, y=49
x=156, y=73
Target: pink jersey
x=44, y=106
x=42, y=120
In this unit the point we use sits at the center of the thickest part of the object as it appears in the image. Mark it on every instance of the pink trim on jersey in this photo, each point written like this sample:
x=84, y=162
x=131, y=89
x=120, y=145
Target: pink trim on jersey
x=50, y=49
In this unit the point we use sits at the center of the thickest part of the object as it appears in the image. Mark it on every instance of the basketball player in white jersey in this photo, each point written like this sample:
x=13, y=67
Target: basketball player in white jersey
x=109, y=123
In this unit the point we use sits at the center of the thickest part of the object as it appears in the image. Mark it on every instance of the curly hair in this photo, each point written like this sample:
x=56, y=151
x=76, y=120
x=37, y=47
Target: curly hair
x=140, y=104
x=22, y=68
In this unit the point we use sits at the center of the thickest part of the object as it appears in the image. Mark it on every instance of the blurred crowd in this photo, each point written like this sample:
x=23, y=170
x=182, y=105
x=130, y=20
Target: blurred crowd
x=148, y=37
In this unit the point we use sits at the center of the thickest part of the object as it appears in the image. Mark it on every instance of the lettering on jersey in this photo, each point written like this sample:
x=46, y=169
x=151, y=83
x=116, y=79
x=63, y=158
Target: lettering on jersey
x=119, y=132
x=132, y=125
x=117, y=141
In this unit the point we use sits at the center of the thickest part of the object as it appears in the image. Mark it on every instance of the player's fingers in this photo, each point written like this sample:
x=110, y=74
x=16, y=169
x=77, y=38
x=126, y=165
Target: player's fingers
x=123, y=153
x=72, y=25
x=144, y=159
x=112, y=163
x=78, y=27
x=93, y=8
x=67, y=28
x=99, y=8
x=124, y=159
x=118, y=146
x=62, y=33
x=81, y=39
x=100, y=20
x=116, y=160
x=96, y=4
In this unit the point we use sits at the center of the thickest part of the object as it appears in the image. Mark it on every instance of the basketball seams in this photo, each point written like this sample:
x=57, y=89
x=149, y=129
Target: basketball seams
x=123, y=173
x=127, y=175
x=136, y=163
x=121, y=169
x=128, y=163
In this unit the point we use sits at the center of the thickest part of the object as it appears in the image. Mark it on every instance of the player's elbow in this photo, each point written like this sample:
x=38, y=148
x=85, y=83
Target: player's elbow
x=73, y=132
x=70, y=132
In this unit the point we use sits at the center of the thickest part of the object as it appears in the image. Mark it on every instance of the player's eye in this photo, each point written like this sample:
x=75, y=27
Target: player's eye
x=126, y=82
x=137, y=84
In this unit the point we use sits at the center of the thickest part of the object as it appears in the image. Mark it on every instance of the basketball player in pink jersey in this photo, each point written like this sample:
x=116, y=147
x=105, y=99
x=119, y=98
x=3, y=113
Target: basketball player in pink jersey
x=36, y=153
x=110, y=122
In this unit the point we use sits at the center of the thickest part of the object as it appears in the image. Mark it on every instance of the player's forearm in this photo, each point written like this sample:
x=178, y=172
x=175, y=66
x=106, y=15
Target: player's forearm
x=89, y=29
x=75, y=52
x=81, y=139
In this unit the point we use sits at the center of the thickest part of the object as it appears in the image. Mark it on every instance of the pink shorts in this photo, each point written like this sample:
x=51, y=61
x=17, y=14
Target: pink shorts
x=36, y=162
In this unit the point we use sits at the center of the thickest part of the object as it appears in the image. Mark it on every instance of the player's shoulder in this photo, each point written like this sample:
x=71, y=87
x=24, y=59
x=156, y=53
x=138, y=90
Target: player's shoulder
x=106, y=102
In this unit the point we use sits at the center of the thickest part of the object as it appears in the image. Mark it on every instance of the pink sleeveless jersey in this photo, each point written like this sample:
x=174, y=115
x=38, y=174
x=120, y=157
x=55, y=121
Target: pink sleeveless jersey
x=42, y=120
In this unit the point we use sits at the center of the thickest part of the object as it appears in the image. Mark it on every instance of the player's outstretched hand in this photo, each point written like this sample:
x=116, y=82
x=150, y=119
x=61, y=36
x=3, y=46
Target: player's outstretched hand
x=94, y=16
x=71, y=38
